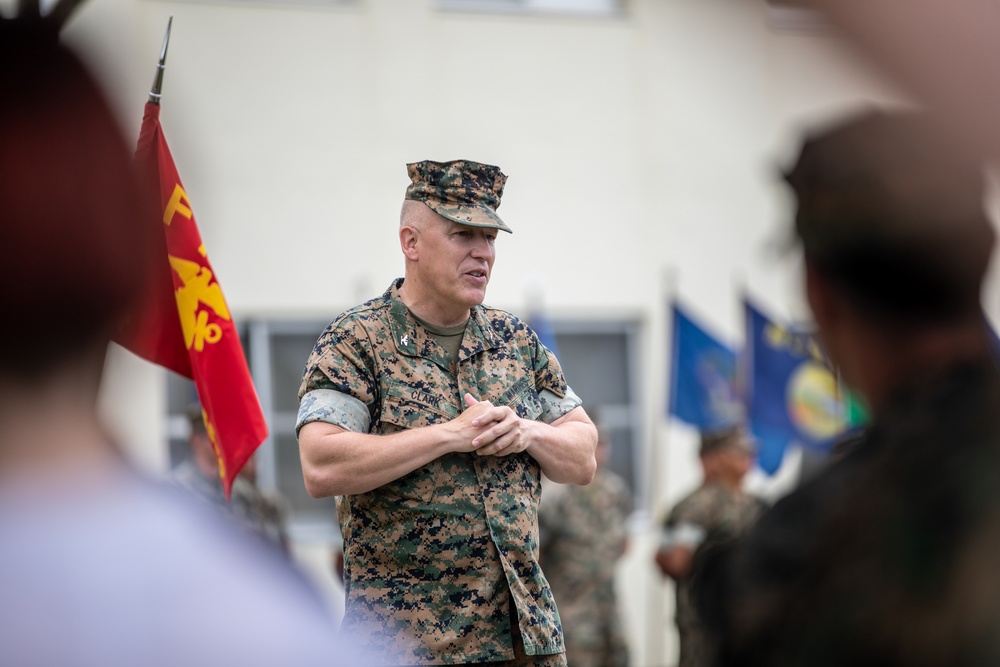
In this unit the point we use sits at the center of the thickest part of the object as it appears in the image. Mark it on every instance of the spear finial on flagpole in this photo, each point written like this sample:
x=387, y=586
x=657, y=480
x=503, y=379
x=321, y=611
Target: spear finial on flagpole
x=154, y=92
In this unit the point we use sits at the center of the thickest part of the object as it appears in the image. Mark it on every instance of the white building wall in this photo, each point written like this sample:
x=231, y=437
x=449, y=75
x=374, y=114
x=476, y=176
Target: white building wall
x=642, y=151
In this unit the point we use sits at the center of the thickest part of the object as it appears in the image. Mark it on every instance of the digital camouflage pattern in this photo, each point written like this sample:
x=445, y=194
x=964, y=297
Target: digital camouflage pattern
x=463, y=191
x=430, y=557
x=722, y=515
x=583, y=534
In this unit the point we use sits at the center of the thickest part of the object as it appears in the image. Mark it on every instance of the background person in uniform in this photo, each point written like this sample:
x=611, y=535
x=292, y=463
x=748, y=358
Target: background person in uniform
x=583, y=532
x=715, y=512
x=263, y=512
x=432, y=417
x=101, y=566
x=888, y=557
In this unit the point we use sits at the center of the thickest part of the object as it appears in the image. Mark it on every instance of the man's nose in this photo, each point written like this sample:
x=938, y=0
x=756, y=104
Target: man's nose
x=481, y=246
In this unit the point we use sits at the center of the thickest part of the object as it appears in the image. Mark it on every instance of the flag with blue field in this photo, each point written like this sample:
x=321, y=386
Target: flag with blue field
x=703, y=388
x=792, y=393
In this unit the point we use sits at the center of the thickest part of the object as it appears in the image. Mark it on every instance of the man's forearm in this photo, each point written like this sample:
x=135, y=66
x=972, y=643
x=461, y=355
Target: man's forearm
x=565, y=449
x=338, y=462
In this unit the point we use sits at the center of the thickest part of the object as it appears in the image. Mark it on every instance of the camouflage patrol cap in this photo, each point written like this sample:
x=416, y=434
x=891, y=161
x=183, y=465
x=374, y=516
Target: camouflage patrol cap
x=195, y=417
x=462, y=191
x=727, y=438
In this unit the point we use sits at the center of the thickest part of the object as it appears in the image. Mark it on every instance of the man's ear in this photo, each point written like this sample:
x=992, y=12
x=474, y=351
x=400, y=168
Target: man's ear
x=408, y=242
x=830, y=312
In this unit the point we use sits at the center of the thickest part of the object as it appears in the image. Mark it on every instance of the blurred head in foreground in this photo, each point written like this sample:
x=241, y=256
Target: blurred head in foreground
x=73, y=243
x=123, y=570
x=896, y=245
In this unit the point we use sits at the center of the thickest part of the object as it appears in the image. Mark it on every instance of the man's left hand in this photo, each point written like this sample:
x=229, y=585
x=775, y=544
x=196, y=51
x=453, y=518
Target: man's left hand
x=509, y=434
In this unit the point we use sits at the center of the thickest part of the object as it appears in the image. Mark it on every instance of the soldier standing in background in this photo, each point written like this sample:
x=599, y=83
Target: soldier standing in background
x=263, y=512
x=716, y=512
x=583, y=533
x=431, y=418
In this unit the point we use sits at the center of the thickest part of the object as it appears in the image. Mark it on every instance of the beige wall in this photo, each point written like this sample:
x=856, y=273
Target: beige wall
x=641, y=151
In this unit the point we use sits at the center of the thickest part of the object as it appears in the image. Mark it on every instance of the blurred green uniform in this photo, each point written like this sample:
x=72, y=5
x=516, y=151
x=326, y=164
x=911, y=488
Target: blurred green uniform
x=583, y=534
x=710, y=515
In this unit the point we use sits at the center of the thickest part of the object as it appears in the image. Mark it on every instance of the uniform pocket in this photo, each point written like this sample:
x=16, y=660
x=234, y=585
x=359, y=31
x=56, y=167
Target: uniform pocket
x=401, y=412
x=522, y=398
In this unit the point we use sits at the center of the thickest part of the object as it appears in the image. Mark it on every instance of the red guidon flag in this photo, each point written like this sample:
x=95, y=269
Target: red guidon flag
x=184, y=323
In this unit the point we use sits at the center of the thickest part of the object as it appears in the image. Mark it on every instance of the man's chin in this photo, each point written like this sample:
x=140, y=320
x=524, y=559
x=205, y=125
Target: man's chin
x=474, y=297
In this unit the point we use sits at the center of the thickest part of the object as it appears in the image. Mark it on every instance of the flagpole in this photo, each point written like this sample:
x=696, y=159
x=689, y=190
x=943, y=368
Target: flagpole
x=154, y=91
x=656, y=614
x=668, y=289
x=741, y=286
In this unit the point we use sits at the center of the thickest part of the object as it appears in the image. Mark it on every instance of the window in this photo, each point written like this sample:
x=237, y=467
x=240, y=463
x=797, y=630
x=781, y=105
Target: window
x=598, y=358
x=600, y=361
x=180, y=394
x=276, y=352
x=279, y=350
x=586, y=7
x=784, y=15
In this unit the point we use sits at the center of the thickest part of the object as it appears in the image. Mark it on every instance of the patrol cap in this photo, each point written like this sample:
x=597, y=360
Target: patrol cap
x=890, y=210
x=462, y=191
x=726, y=438
x=195, y=417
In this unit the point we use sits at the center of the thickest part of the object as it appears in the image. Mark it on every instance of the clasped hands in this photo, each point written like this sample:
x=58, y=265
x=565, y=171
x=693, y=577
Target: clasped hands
x=491, y=430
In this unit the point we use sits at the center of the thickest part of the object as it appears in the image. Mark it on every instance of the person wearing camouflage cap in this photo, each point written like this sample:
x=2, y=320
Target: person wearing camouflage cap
x=888, y=555
x=430, y=417
x=717, y=511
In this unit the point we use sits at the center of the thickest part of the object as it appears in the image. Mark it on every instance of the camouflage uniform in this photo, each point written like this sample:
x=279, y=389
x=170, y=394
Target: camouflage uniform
x=432, y=558
x=710, y=515
x=262, y=512
x=583, y=534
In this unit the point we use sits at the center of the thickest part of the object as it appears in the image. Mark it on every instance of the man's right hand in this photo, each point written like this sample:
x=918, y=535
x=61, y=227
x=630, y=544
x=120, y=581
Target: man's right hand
x=338, y=462
x=477, y=418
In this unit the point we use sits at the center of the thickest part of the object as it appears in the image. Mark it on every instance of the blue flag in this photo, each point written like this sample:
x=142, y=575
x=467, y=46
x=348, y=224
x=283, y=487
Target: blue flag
x=703, y=390
x=542, y=326
x=792, y=393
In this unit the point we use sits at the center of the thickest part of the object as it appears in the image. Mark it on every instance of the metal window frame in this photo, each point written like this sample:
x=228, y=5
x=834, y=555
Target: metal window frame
x=261, y=333
x=595, y=8
x=630, y=415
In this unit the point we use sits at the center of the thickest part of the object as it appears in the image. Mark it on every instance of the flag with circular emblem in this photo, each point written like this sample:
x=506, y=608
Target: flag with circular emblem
x=794, y=395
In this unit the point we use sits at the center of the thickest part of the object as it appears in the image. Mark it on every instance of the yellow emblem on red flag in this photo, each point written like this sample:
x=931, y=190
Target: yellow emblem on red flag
x=198, y=290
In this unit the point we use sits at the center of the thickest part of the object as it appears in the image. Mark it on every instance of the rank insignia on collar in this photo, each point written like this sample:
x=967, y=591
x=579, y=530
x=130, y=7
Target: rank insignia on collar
x=404, y=340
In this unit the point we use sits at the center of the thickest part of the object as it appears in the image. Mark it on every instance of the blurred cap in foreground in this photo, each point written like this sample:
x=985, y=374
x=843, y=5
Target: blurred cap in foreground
x=887, y=209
